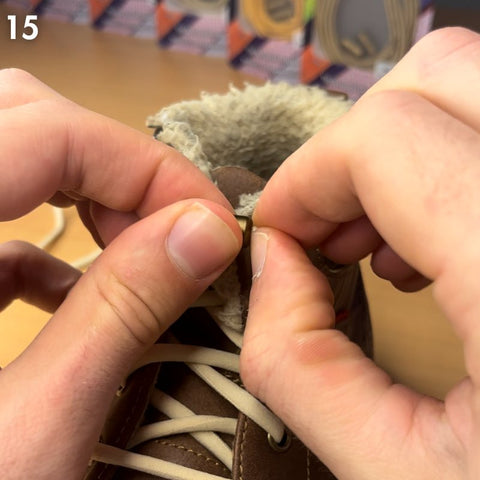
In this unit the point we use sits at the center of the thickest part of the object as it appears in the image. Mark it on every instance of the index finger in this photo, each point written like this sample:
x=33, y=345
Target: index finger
x=414, y=173
x=405, y=156
x=50, y=145
x=18, y=87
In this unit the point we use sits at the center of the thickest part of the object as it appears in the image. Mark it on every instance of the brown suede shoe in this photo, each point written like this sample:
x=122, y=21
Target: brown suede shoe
x=183, y=413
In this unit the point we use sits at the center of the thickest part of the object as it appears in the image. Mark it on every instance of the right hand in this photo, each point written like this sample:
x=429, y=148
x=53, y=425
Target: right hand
x=398, y=177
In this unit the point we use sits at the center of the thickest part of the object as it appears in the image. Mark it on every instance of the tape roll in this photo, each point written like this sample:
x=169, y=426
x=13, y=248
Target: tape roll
x=278, y=19
x=361, y=52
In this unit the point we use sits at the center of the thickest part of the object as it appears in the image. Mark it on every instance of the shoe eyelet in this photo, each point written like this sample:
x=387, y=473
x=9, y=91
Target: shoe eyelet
x=281, y=446
x=121, y=388
x=333, y=268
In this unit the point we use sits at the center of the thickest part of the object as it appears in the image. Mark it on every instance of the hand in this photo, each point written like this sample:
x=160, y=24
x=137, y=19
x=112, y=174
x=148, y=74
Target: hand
x=397, y=177
x=159, y=218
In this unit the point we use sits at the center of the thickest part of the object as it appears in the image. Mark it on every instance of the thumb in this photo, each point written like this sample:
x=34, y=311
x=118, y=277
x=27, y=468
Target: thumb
x=140, y=284
x=336, y=400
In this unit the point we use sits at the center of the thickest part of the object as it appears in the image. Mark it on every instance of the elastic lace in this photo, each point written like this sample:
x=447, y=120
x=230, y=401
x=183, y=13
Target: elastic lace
x=204, y=428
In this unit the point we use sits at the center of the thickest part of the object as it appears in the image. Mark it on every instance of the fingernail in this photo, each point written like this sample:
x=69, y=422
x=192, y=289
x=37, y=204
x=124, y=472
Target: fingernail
x=200, y=242
x=259, y=244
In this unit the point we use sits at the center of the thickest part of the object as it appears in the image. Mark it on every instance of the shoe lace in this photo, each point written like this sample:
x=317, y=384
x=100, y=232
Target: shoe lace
x=204, y=428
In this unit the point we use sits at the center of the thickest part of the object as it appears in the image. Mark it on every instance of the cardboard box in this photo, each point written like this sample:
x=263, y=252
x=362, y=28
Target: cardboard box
x=125, y=17
x=75, y=11
x=193, y=27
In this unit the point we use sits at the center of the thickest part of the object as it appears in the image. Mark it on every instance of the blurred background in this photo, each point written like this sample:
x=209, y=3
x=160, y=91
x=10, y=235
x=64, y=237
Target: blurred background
x=340, y=44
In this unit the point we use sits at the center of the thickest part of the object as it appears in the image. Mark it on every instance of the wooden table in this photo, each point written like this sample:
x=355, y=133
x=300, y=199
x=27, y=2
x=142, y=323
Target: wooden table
x=128, y=79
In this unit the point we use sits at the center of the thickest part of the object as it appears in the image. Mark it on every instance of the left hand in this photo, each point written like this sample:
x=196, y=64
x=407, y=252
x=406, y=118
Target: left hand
x=168, y=233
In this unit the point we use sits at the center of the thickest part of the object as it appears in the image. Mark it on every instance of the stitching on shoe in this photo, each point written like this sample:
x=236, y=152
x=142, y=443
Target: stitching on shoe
x=242, y=444
x=124, y=426
x=189, y=450
x=133, y=409
x=308, y=463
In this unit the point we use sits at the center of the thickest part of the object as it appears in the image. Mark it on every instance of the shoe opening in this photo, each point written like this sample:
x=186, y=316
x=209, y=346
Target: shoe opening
x=256, y=128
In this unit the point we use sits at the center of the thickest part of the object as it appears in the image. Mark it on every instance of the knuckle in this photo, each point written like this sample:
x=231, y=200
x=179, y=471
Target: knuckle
x=388, y=110
x=12, y=271
x=14, y=253
x=16, y=248
x=58, y=105
x=383, y=102
x=129, y=309
x=257, y=365
x=18, y=87
x=446, y=38
x=443, y=50
x=15, y=77
x=385, y=118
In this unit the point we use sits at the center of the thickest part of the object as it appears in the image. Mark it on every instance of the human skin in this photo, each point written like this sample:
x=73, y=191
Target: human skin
x=398, y=177
x=158, y=218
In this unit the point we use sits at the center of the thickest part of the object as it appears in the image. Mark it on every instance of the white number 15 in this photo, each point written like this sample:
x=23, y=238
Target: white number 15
x=30, y=29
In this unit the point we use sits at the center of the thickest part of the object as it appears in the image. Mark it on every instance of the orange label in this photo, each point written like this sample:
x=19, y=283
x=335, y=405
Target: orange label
x=238, y=40
x=97, y=7
x=312, y=66
x=166, y=20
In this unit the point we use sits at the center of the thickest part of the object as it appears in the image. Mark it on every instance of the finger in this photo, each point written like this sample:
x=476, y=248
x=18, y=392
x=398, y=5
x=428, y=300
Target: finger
x=109, y=223
x=34, y=276
x=431, y=69
x=321, y=384
x=104, y=224
x=58, y=146
x=61, y=200
x=356, y=239
x=83, y=152
x=140, y=284
x=18, y=87
x=130, y=274
x=388, y=265
x=443, y=68
x=413, y=283
x=351, y=241
x=427, y=189
x=84, y=212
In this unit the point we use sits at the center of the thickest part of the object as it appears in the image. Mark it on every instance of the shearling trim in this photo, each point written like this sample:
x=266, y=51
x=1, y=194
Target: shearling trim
x=227, y=287
x=246, y=204
x=256, y=128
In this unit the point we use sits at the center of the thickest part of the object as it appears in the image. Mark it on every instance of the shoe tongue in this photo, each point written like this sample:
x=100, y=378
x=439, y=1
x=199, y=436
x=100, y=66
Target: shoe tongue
x=242, y=188
x=237, y=181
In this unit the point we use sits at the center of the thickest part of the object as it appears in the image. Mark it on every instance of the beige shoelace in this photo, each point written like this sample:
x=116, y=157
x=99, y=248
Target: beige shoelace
x=57, y=230
x=203, y=428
